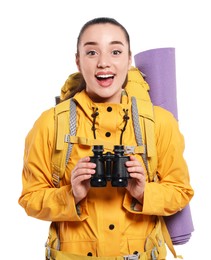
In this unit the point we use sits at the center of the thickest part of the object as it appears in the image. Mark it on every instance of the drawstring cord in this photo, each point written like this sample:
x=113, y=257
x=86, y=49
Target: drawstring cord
x=126, y=118
x=94, y=115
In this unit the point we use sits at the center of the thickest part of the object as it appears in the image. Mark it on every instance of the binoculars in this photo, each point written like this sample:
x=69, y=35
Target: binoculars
x=109, y=167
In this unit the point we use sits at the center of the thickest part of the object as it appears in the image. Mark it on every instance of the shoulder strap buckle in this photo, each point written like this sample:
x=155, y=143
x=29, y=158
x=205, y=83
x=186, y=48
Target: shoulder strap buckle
x=129, y=149
x=131, y=257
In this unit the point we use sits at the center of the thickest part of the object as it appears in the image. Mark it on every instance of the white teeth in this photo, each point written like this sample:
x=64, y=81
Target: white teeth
x=105, y=76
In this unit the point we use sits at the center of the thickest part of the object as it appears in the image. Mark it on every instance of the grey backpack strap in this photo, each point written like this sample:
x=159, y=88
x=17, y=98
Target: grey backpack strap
x=72, y=127
x=137, y=130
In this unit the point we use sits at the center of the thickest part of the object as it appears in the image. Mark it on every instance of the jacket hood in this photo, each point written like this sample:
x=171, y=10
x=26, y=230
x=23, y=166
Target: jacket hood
x=133, y=87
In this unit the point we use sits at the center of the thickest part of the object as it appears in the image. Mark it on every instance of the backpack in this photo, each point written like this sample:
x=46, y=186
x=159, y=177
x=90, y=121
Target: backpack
x=142, y=110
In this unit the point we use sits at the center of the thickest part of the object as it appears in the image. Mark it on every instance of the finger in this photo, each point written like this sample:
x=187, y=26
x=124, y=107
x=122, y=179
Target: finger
x=133, y=158
x=81, y=178
x=84, y=159
x=82, y=171
x=138, y=176
x=134, y=167
x=84, y=163
x=133, y=161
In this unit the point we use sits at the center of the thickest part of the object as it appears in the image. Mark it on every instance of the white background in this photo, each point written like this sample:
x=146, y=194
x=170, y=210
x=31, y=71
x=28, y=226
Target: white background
x=37, y=47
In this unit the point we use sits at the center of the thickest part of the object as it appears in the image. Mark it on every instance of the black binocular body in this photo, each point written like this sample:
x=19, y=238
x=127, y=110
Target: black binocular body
x=109, y=167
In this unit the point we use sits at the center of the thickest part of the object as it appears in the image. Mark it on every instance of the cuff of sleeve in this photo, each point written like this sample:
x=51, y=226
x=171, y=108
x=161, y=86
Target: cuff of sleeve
x=132, y=205
x=80, y=211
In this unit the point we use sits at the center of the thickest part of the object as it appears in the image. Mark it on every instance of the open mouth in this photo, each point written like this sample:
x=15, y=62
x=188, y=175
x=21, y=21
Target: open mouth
x=104, y=77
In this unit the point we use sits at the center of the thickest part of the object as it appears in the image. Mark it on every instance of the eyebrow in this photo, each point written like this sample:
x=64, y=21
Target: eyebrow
x=111, y=43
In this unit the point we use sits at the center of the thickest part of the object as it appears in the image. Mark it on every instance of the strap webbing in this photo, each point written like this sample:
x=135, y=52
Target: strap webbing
x=167, y=238
x=72, y=127
x=137, y=130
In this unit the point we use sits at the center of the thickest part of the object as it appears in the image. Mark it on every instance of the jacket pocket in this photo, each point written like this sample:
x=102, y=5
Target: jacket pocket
x=135, y=245
x=82, y=247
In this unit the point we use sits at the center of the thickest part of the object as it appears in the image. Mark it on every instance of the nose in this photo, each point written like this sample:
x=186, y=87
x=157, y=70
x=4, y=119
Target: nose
x=103, y=61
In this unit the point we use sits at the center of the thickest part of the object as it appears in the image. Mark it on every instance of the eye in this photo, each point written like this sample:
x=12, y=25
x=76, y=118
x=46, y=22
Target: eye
x=116, y=52
x=91, y=53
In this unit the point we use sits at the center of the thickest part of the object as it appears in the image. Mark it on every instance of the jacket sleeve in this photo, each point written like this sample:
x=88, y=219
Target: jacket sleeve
x=39, y=197
x=173, y=190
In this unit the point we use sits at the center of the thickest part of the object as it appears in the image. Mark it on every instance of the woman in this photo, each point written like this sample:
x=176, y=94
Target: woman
x=114, y=222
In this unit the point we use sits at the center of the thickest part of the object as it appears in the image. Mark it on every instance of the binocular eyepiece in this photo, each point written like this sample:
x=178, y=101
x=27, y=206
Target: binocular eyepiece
x=109, y=167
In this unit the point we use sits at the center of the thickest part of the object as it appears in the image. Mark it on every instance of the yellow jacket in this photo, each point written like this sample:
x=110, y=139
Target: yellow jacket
x=106, y=222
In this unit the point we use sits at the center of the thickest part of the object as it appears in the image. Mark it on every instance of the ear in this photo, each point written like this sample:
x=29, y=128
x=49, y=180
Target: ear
x=130, y=61
x=77, y=61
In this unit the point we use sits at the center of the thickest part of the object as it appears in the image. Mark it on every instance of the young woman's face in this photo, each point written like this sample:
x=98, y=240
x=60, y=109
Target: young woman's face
x=104, y=59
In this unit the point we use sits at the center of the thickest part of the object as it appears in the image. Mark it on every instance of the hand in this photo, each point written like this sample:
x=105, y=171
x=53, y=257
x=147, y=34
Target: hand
x=80, y=178
x=136, y=185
